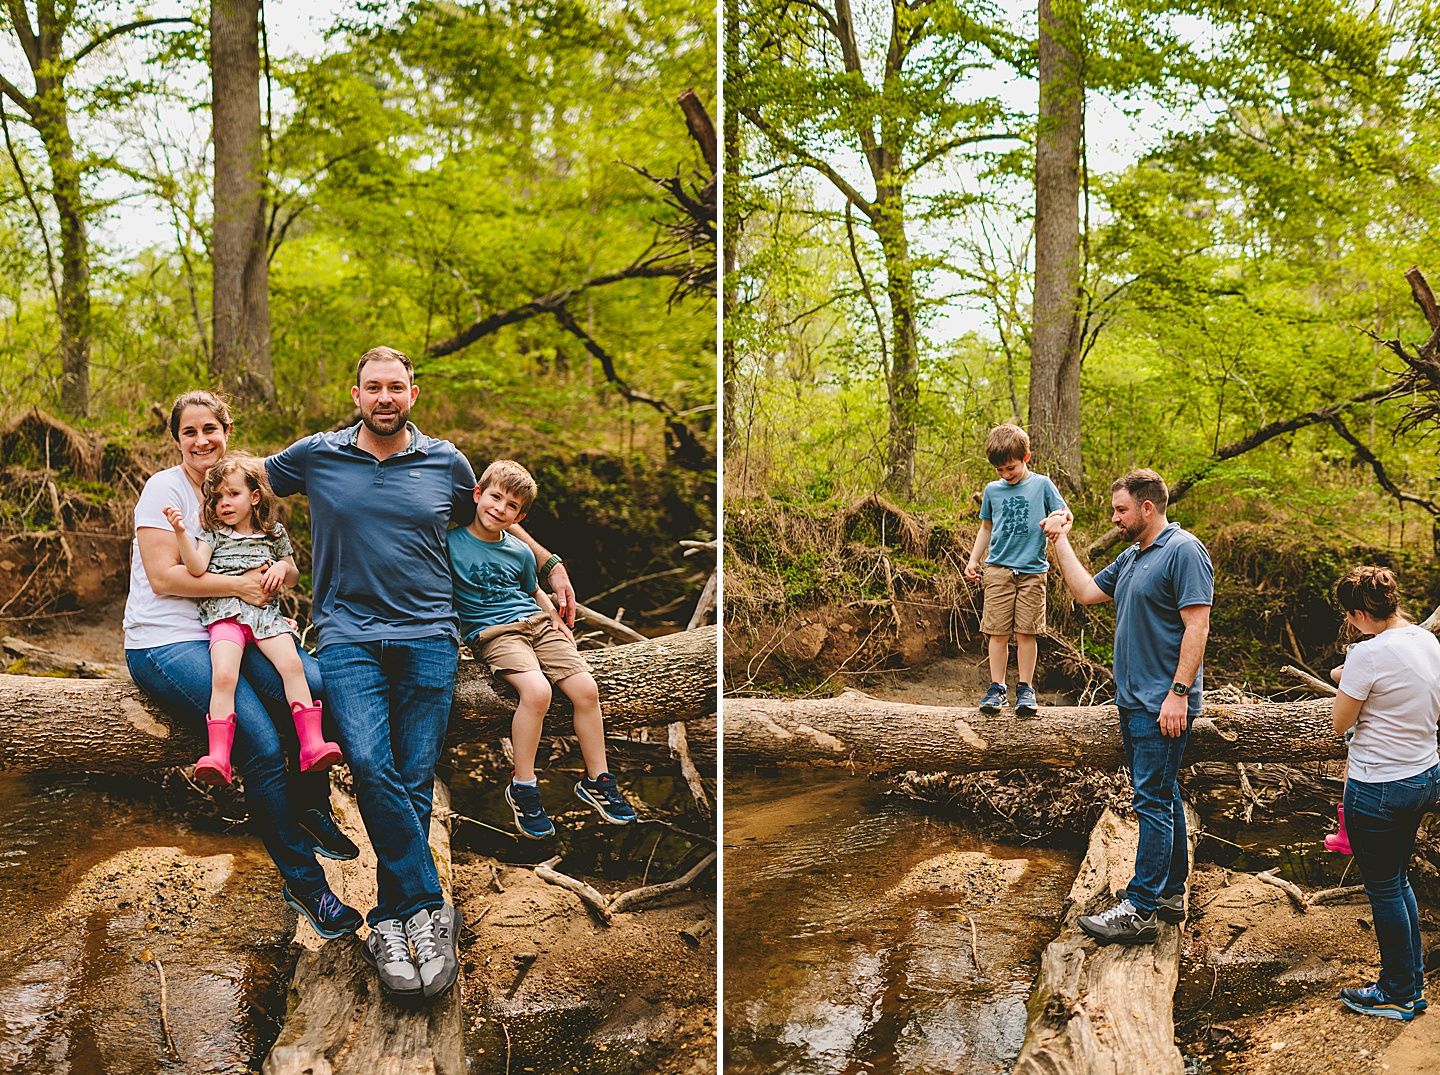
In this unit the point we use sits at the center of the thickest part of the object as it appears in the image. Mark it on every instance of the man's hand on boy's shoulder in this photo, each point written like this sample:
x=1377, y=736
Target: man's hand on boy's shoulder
x=564, y=593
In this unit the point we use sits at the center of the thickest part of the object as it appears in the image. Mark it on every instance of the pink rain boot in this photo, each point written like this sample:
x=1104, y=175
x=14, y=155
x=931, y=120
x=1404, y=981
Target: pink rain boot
x=214, y=767
x=315, y=752
x=1339, y=841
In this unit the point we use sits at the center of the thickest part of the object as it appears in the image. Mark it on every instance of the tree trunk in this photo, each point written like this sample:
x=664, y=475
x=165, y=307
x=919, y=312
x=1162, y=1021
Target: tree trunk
x=336, y=1020
x=855, y=729
x=107, y=725
x=240, y=304
x=1105, y=1009
x=1055, y=337
x=52, y=123
x=903, y=376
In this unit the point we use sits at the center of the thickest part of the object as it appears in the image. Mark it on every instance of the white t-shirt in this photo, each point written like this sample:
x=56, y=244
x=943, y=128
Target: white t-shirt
x=1396, y=677
x=150, y=619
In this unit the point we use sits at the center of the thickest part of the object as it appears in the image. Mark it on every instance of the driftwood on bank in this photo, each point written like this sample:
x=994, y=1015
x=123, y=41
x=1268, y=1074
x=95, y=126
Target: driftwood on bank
x=1106, y=1009
x=857, y=730
x=336, y=1021
x=609, y=906
x=18, y=657
x=108, y=725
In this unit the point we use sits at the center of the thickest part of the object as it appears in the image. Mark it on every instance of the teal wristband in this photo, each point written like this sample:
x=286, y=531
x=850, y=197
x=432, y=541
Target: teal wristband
x=550, y=565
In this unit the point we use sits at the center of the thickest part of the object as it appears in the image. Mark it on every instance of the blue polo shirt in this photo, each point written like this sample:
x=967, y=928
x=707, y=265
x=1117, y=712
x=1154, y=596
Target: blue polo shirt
x=377, y=530
x=1150, y=587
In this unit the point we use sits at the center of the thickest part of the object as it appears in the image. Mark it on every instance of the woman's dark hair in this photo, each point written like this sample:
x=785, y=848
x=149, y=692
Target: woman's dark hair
x=199, y=398
x=1372, y=590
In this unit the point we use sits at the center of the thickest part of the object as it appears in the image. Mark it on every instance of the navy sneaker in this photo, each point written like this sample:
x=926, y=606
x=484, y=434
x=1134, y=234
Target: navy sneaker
x=603, y=793
x=1026, y=704
x=1121, y=924
x=326, y=913
x=1421, y=1003
x=530, y=816
x=326, y=837
x=994, y=699
x=1371, y=1000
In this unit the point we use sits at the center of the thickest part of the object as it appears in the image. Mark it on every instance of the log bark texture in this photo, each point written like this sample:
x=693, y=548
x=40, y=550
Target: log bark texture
x=107, y=725
x=336, y=1020
x=1105, y=1010
x=857, y=730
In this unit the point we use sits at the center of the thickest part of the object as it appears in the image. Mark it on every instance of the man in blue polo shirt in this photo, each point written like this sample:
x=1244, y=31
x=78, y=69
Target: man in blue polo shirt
x=382, y=495
x=1163, y=586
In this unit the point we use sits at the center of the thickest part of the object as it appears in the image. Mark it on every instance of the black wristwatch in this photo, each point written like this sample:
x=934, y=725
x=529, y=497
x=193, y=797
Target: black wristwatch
x=1181, y=689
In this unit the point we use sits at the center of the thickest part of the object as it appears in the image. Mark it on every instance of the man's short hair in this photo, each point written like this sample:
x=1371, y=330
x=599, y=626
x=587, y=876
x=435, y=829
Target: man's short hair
x=384, y=354
x=513, y=479
x=1005, y=443
x=1144, y=485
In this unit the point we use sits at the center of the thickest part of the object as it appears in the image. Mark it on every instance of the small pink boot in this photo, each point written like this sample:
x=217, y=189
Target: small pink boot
x=214, y=767
x=315, y=752
x=1339, y=841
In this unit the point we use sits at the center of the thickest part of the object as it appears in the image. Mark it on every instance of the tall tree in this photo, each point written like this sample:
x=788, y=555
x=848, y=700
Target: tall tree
x=822, y=94
x=1055, y=340
x=47, y=110
x=240, y=306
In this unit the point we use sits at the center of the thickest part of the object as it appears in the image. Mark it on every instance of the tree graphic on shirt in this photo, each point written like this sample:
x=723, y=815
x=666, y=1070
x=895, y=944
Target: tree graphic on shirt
x=1014, y=520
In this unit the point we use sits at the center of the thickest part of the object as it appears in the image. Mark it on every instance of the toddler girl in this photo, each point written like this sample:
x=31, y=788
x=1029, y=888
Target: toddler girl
x=241, y=532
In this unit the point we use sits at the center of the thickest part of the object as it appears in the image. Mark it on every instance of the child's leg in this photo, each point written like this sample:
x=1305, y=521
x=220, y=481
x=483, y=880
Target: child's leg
x=529, y=720
x=1026, y=652
x=999, y=657
x=225, y=658
x=281, y=652
x=584, y=695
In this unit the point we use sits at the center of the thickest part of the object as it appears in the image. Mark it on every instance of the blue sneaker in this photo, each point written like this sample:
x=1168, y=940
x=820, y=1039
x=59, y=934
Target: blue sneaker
x=994, y=699
x=603, y=793
x=1370, y=1000
x=530, y=816
x=1026, y=704
x=326, y=837
x=326, y=913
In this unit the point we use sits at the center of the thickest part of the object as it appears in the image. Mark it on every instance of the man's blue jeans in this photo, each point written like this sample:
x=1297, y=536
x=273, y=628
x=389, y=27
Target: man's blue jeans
x=1162, y=860
x=391, y=702
x=1382, y=820
x=177, y=677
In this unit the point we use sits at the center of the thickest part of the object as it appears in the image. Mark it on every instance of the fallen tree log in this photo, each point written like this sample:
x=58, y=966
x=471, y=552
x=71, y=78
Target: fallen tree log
x=1105, y=1010
x=107, y=725
x=336, y=1020
x=857, y=730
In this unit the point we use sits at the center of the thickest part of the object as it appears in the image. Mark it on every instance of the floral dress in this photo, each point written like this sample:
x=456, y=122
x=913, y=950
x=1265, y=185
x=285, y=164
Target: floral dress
x=235, y=554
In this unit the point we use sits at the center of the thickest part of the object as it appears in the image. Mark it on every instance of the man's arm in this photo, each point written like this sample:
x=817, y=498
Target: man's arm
x=1080, y=582
x=1174, y=711
x=559, y=577
x=170, y=578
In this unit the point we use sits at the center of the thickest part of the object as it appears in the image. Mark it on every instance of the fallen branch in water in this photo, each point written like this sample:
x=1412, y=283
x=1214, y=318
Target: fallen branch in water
x=680, y=750
x=149, y=957
x=608, y=906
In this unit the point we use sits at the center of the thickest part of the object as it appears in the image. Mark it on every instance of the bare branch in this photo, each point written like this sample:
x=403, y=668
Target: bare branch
x=118, y=31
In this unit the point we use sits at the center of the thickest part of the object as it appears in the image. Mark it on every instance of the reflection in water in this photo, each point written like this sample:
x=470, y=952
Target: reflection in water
x=847, y=942
x=91, y=883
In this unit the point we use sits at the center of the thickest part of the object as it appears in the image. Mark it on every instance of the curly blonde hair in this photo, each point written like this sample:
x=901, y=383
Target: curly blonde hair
x=252, y=468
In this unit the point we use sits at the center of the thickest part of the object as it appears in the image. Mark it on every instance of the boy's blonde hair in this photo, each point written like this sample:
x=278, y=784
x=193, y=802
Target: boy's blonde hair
x=513, y=479
x=252, y=469
x=1005, y=443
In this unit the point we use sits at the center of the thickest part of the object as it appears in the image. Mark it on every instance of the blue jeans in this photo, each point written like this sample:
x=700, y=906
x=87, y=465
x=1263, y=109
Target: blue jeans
x=1162, y=859
x=177, y=677
x=391, y=701
x=1382, y=820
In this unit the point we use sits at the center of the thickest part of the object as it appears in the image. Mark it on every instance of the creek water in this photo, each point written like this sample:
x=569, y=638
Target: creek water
x=848, y=943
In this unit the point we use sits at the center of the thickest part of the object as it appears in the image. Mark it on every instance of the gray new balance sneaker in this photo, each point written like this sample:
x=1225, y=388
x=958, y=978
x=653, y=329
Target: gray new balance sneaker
x=433, y=935
x=1121, y=924
x=389, y=952
x=1168, y=908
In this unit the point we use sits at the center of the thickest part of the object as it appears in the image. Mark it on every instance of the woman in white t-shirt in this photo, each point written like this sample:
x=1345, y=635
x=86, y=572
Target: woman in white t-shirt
x=1390, y=693
x=168, y=652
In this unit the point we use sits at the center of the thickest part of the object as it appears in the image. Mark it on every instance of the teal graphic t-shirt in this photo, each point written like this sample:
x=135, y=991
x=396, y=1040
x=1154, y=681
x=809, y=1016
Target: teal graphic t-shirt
x=493, y=580
x=1016, y=512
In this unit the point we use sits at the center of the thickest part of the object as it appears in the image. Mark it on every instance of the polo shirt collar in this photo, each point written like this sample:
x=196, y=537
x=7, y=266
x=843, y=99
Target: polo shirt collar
x=419, y=442
x=1161, y=539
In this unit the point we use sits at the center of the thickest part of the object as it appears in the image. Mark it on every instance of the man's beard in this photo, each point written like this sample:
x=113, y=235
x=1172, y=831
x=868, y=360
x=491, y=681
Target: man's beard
x=385, y=425
x=1131, y=535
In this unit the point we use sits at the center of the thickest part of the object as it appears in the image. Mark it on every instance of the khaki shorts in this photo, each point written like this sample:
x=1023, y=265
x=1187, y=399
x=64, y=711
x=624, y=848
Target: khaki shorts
x=531, y=645
x=1014, y=604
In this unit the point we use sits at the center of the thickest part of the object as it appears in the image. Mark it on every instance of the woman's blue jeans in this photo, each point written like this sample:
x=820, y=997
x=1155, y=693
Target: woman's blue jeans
x=177, y=677
x=391, y=701
x=1382, y=820
x=1162, y=858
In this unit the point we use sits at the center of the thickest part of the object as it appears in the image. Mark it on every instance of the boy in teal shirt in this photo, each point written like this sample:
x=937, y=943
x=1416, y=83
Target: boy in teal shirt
x=509, y=623
x=1015, y=567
